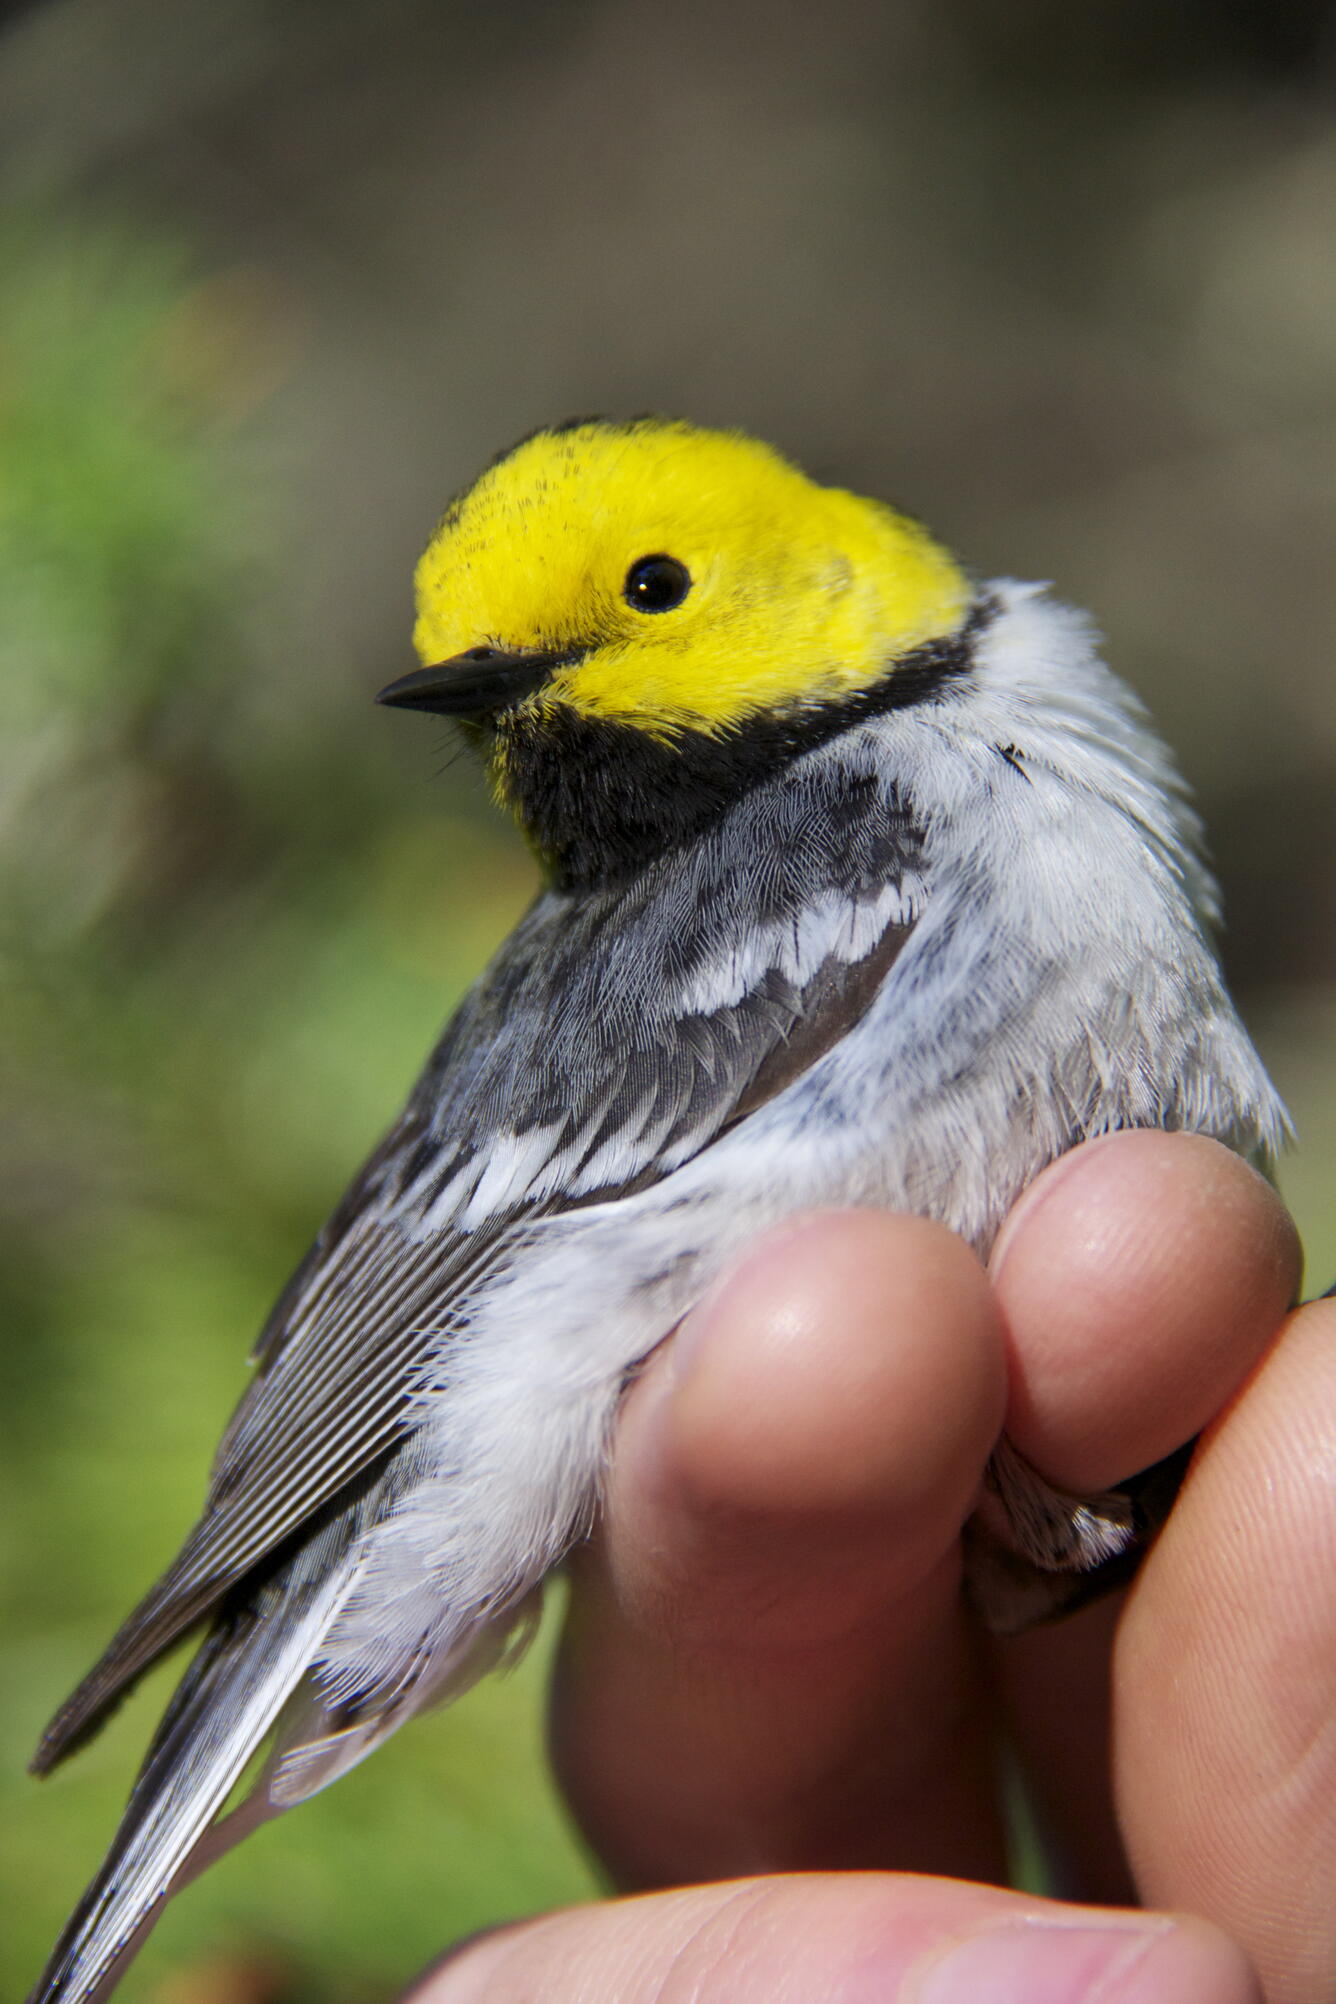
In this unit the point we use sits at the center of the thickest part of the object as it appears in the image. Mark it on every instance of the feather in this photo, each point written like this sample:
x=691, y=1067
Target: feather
x=637, y=1086
x=225, y=1706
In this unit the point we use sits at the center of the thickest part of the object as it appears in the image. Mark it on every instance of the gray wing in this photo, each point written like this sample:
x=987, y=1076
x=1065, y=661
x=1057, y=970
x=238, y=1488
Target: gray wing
x=614, y=1036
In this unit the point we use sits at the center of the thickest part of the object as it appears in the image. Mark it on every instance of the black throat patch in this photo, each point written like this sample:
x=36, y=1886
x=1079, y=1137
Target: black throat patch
x=601, y=800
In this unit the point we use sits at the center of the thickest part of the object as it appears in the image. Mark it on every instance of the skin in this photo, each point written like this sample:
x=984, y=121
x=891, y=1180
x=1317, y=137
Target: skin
x=770, y=1700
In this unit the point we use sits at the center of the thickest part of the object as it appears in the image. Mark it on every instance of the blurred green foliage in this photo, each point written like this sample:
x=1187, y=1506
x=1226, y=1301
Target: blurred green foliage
x=225, y=953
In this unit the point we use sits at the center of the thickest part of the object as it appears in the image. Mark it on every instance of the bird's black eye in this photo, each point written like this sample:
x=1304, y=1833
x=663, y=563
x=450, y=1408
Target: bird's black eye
x=656, y=584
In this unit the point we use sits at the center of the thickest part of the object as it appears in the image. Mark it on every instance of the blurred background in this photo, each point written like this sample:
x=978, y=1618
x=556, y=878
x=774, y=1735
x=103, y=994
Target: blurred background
x=277, y=276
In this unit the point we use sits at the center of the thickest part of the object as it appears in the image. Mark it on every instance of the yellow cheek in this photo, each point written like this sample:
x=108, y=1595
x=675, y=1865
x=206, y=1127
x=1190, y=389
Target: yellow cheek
x=796, y=639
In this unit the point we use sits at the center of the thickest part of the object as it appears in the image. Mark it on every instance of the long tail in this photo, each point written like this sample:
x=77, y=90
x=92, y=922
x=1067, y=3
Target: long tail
x=252, y=1659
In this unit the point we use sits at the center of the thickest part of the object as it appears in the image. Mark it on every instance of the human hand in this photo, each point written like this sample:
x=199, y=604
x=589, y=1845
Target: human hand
x=768, y=1668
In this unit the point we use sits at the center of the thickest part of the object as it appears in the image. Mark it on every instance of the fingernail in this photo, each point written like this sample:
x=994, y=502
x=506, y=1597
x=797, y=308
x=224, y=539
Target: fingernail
x=1035, y=1962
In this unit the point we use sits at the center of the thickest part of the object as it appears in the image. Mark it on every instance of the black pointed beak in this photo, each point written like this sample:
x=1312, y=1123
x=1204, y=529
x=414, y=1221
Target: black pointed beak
x=480, y=683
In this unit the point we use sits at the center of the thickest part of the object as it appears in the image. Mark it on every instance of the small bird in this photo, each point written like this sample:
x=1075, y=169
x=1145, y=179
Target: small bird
x=864, y=884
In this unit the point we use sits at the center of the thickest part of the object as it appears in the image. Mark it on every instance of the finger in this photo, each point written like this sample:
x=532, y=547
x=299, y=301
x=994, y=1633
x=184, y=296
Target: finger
x=1141, y=1277
x=1226, y=1676
x=845, y=1940
x=766, y=1665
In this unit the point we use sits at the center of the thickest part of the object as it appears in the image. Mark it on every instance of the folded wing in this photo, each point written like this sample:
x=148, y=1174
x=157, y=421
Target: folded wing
x=613, y=1037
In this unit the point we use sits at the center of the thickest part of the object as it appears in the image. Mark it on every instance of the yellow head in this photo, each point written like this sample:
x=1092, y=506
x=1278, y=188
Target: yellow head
x=626, y=610
x=794, y=593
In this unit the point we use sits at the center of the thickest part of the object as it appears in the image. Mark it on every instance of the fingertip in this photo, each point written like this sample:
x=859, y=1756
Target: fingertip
x=852, y=1365
x=1143, y=1166
x=774, y=1585
x=1140, y=1278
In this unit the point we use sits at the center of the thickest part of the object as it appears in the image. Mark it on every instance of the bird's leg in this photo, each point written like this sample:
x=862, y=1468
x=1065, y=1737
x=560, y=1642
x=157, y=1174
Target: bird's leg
x=1033, y=1552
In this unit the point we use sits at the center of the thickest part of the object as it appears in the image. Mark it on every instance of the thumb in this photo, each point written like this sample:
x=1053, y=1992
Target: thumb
x=846, y=1938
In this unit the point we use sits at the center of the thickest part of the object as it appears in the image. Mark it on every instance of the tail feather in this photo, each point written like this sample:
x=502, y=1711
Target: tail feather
x=227, y=1703
x=194, y=1585
x=317, y=1742
x=160, y=1620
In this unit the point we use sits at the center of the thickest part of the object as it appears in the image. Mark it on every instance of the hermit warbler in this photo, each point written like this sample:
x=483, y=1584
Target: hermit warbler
x=865, y=885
